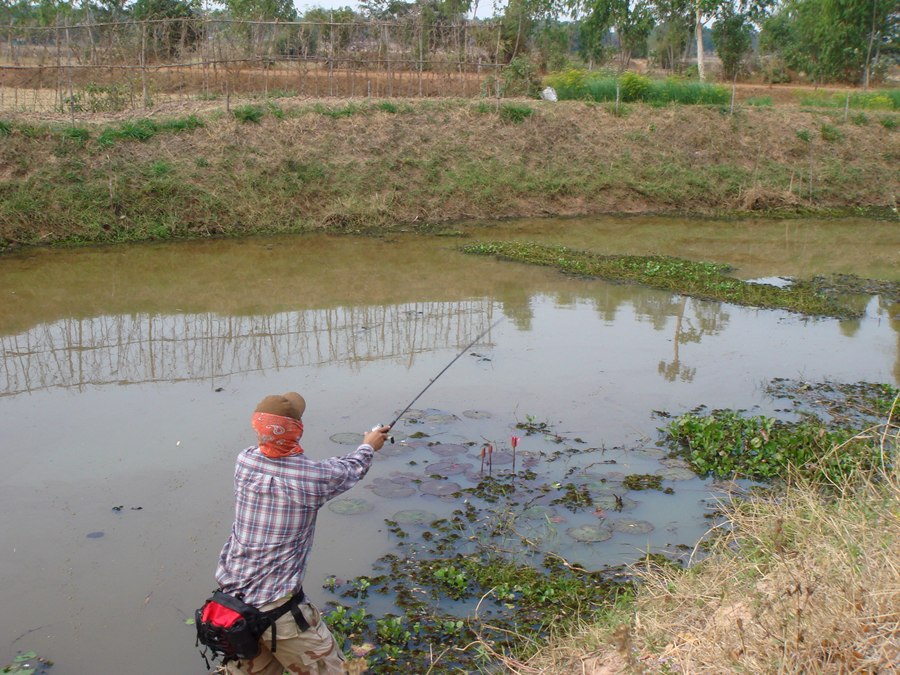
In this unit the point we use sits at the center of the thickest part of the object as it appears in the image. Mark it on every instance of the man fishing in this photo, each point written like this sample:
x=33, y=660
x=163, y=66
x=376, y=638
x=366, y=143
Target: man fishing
x=278, y=493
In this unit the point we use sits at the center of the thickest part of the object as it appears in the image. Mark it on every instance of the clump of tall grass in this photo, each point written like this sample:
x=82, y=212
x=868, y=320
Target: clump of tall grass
x=249, y=113
x=145, y=129
x=601, y=87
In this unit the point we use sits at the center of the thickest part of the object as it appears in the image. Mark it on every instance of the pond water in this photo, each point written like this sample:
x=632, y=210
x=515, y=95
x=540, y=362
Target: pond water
x=129, y=375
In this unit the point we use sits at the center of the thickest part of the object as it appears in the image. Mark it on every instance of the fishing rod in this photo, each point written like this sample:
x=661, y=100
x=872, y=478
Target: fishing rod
x=435, y=378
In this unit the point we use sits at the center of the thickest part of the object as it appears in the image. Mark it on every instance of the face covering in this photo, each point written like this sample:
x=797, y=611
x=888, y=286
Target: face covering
x=278, y=436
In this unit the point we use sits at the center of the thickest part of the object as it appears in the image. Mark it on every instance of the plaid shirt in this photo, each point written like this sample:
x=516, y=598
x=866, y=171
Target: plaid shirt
x=275, y=519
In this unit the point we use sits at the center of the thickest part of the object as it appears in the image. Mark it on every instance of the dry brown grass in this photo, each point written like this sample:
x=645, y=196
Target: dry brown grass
x=803, y=581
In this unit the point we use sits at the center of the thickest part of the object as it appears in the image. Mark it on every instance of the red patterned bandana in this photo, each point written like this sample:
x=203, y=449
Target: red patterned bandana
x=278, y=436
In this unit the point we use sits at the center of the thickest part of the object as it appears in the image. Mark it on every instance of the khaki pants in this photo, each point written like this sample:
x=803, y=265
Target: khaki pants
x=311, y=652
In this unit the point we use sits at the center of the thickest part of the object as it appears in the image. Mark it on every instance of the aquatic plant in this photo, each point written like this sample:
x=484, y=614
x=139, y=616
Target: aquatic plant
x=725, y=443
x=698, y=279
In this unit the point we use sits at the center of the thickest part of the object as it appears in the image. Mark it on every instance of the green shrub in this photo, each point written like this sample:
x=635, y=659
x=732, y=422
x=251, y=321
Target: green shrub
x=248, y=113
x=634, y=87
x=520, y=78
x=859, y=118
x=5, y=128
x=889, y=122
x=804, y=135
x=112, y=98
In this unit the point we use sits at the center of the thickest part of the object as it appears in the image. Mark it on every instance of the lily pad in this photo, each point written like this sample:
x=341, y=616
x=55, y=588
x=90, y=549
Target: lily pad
x=676, y=473
x=347, y=438
x=350, y=507
x=390, y=489
x=448, y=449
x=413, y=517
x=477, y=414
x=393, y=450
x=590, y=534
x=631, y=525
x=498, y=458
x=412, y=415
x=440, y=418
x=614, y=502
x=674, y=463
x=446, y=468
x=537, y=512
x=439, y=488
x=651, y=452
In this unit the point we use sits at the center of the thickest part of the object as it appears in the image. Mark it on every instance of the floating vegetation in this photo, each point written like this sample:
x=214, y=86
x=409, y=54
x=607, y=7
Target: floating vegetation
x=413, y=517
x=727, y=444
x=676, y=473
x=590, y=534
x=477, y=414
x=631, y=526
x=445, y=469
x=439, y=488
x=347, y=438
x=448, y=449
x=614, y=502
x=28, y=663
x=643, y=481
x=537, y=512
x=391, y=489
x=350, y=506
x=697, y=279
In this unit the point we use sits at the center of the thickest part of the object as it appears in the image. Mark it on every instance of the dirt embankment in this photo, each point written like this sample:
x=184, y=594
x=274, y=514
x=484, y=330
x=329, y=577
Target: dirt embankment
x=362, y=166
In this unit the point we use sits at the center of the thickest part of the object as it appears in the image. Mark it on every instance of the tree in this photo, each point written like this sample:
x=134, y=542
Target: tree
x=673, y=31
x=175, y=26
x=262, y=10
x=631, y=20
x=733, y=37
x=832, y=40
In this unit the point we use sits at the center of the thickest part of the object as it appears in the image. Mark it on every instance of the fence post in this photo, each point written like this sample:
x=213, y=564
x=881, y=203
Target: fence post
x=144, y=63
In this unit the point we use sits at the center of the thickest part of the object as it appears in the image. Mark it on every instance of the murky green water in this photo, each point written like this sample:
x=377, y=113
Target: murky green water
x=129, y=374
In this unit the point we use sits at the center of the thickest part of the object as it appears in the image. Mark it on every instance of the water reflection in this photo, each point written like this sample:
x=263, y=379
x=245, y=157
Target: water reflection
x=141, y=348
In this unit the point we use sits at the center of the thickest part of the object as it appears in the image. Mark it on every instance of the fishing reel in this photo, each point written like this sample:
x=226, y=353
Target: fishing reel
x=377, y=427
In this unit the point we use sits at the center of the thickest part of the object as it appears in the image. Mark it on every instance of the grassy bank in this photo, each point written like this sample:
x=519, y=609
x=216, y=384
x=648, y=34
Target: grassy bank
x=284, y=165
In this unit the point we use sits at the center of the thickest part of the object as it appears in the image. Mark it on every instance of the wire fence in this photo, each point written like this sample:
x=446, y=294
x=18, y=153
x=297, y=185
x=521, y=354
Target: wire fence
x=115, y=66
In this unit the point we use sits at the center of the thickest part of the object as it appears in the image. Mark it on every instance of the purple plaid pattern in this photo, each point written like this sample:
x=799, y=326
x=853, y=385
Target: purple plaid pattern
x=275, y=519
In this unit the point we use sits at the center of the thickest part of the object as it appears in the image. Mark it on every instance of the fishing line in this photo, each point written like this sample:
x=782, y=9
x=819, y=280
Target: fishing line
x=445, y=369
